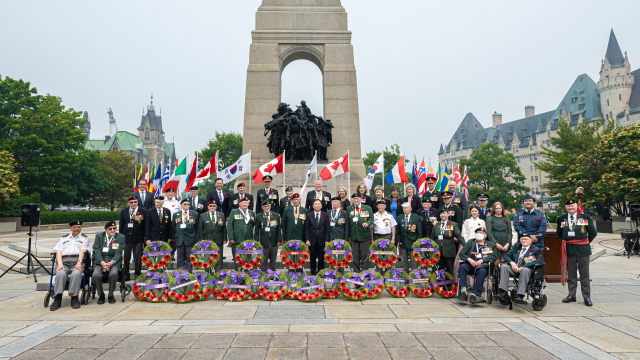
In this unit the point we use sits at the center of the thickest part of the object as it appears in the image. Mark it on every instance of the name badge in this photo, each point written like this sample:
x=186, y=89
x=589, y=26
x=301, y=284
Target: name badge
x=183, y=226
x=332, y=223
x=440, y=237
x=267, y=229
x=130, y=225
x=571, y=233
x=355, y=219
x=105, y=249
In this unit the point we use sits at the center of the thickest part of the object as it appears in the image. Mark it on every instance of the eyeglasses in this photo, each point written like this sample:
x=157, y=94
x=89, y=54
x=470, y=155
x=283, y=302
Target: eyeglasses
x=112, y=228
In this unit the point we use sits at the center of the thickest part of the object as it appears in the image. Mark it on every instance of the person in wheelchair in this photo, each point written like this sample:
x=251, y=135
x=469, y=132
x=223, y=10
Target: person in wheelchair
x=520, y=261
x=107, y=257
x=477, y=255
x=70, y=252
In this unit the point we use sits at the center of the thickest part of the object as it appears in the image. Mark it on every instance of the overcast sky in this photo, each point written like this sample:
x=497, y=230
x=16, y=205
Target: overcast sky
x=421, y=65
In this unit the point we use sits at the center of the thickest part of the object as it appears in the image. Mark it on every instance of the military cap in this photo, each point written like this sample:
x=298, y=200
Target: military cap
x=381, y=202
x=75, y=222
x=132, y=197
x=355, y=195
x=443, y=210
x=295, y=196
x=524, y=234
x=184, y=201
x=169, y=190
x=431, y=179
x=109, y=224
x=289, y=188
x=426, y=200
x=159, y=197
x=482, y=197
x=528, y=196
x=570, y=202
x=266, y=202
x=267, y=178
x=212, y=202
x=481, y=229
x=240, y=184
x=243, y=199
x=447, y=194
x=336, y=198
x=193, y=188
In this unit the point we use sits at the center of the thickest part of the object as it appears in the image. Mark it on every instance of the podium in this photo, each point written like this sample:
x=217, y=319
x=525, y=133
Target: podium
x=552, y=256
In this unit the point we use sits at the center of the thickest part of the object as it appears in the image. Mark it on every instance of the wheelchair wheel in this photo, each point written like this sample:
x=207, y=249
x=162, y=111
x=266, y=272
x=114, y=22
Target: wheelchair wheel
x=47, y=298
x=504, y=301
x=544, y=300
x=537, y=304
x=513, y=293
x=489, y=297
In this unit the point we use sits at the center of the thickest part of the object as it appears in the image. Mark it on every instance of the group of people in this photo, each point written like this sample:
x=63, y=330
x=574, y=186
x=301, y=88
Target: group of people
x=228, y=219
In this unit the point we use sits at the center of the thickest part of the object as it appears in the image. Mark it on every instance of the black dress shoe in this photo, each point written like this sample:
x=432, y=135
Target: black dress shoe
x=101, y=299
x=112, y=300
x=569, y=299
x=57, y=302
x=473, y=299
x=588, y=302
x=75, y=302
x=520, y=300
x=462, y=296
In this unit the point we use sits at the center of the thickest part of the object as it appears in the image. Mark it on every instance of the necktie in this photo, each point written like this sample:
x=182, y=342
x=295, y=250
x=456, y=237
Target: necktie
x=220, y=197
x=521, y=258
x=317, y=218
x=184, y=217
x=160, y=214
x=130, y=214
x=572, y=223
x=142, y=198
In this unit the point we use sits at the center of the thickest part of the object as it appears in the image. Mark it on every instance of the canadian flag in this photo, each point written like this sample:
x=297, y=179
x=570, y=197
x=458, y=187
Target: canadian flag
x=337, y=167
x=275, y=166
x=209, y=169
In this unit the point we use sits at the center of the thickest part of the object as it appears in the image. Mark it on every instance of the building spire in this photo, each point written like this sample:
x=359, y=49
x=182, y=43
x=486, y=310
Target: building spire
x=151, y=107
x=614, y=54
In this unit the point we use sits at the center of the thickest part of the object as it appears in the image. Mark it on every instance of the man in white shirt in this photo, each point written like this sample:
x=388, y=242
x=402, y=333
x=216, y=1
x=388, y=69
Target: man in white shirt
x=170, y=202
x=384, y=225
x=70, y=252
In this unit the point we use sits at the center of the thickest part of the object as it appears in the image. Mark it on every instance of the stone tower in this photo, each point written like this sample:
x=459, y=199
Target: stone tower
x=151, y=134
x=616, y=80
x=87, y=124
x=313, y=30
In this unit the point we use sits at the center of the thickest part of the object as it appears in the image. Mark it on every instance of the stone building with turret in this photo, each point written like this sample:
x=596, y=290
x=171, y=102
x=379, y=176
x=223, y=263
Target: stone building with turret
x=615, y=96
x=148, y=147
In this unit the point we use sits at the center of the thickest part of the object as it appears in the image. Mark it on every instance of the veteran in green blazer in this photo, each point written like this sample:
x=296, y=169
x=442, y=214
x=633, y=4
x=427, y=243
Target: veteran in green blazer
x=339, y=223
x=211, y=226
x=267, y=231
x=360, y=218
x=240, y=225
x=184, y=226
x=285, y=201
x=577, y=232
x=447, y=235
x=293, y=220
x=408, y=230
x=107, y=257
x=477, y=256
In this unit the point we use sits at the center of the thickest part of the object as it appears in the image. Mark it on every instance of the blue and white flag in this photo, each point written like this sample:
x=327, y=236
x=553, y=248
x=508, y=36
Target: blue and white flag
x=378, y=167
x=165, y=177
x=313, y=168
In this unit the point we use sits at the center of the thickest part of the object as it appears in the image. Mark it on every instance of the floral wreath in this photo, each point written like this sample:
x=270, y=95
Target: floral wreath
x=207, y=284
x=156, y=288
x=444, y=284
x=354, y=286
x=218, y=291
x=255, y=283
x=295, y=254
x=310, y=289
x=420, y=283
x=237, y=286
x=204, y=255
x=293, y=284
x=425, y=252
x=183, y=287
x=156, y=255
x=397, y=284
x=383, y=253
x=249, y=254
x=337, y=253
x=331, y=279
x=376, y=284
x=274, y=285
x=138, y=287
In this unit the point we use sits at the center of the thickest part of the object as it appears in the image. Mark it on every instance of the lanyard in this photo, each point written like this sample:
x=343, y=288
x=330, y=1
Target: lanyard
x=109, y=241
x=335, y=217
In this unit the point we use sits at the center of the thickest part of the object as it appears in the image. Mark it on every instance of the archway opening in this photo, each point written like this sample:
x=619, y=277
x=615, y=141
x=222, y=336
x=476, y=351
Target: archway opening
x=302, y=80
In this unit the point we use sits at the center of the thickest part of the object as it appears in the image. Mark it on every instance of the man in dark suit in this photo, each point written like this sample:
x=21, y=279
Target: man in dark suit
x=460, y=200
x=133, y=226
x=221, y=198
x=235, y=198
x=428, y=216
x=483, y=201
x=432, y=194
x=145, y=198
x=197, y=203
x=455, y=213
x=267, y=193
x=317, y=230
x=319, y=194
x=158, y=224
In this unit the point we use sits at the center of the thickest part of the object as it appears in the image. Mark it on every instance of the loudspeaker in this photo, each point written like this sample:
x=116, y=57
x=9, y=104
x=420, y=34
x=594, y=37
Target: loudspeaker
x=30, y=215
x=635, y=211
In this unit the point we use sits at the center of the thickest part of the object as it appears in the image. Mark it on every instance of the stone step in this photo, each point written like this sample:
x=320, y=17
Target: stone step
x=6, y=263
x=15, y=255
x=40, y=251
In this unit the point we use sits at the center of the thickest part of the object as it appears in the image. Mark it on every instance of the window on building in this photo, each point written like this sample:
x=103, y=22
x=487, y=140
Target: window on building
x=620, y=97
x=530, y=147
x=535, y=157
x=533, y=191
x=530, y=157
x=574, y=100
x=532, y=179
x=537, y=190
x=627, y=117
x=536, y=178
x=531, y=168
x=607, y=102
x=517, y=150
x=549, y=132
x=581, y=107
x=611, y=114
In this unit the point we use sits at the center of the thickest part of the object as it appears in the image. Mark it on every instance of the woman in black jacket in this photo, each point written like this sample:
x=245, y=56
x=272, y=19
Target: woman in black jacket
x=416, y=204
x=379, y=191
x=366, y=199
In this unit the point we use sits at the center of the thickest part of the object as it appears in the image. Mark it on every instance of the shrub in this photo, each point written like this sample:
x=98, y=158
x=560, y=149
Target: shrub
x=64, y=217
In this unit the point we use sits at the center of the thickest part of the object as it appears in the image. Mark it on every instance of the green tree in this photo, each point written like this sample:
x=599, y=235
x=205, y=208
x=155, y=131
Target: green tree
x=8, y=178
x=118, y=167
x=563, y=163
x=496, y=173
x=391, y=156
x=229, y=148
x=47, y=143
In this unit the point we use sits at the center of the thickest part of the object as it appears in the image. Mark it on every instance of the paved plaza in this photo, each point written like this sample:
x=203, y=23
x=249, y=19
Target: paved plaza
x=385, y=328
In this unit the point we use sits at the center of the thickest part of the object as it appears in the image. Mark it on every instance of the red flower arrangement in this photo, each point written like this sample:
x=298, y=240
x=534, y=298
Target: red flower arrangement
x=425, y=252
x=354, y=286
x=420, y=283
x=383, y=253
x=293, y=284
x=331, y=279
x=237, y=286
x=249, y=254
x=274, y=285
x=444, y=284
x=310, y=289
x=337, y=254
x=204, y=255
x=138, y=287
x=156, y=256
x=294, y=254
x=183, y=287
x=397, y=284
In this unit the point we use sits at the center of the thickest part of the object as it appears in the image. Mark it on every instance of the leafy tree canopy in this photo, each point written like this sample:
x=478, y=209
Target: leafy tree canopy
x=229, y=148
x=391, y=156
x=116, y=166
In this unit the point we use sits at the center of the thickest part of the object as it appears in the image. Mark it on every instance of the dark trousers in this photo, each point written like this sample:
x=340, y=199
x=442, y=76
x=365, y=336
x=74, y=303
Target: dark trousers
x=137, y=257
x=360, y=251
x=446, y=263
x=97, y=279
x=480, y=274
x=575, y=264
x=218, y=265
x=270, y=254
x=183, y=258
x=317, y=252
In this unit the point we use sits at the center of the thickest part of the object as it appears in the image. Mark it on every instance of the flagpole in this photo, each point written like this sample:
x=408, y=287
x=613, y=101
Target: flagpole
x=250, y=181
x=348, y=173
x=284, y=171
x=317, y=165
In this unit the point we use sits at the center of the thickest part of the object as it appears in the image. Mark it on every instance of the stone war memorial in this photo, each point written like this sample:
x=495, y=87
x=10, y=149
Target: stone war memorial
x=317, y=31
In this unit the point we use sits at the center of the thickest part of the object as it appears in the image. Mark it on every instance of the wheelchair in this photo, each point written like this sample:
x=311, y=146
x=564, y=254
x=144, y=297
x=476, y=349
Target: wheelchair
x=86, y=276
x=489, y=283
x=125, y=289
x=535, y=287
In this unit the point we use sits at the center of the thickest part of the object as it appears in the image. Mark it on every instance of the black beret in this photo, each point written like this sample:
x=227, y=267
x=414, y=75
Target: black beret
x=443, y=210
x=193, y=188
x=109, y=224
x=381, y=202
x=159, y=197
x=354, y=195
x=289, y=188
x=168, y=189
x=481, y=229
x=336, y=198
x=75, y=222
x=570, y=201
x=184, y=201
x=266, y=202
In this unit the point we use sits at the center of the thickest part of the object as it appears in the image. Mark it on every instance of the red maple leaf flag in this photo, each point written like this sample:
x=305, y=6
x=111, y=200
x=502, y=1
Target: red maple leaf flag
x=275, y=166
x=337, y=167
x=210, y=169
